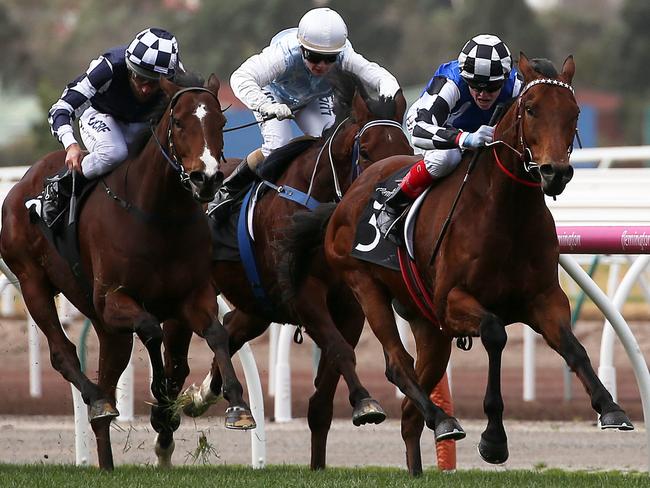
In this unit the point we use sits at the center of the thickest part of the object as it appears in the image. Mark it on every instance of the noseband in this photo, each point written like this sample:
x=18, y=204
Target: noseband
x=525, y=155
x=356, y=150
x=175, y=162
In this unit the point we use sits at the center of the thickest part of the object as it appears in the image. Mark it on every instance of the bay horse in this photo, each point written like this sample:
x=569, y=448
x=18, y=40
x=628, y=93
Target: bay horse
x=144, y=248
x=365, y=131
x=496, y=265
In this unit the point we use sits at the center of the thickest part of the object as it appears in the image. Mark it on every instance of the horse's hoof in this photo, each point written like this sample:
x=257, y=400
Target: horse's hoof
x=493, y=452
x=449, y=429
x=101, y=409
x=239, y=418
x=368, y=412
x=616, y=420
x=194, y=410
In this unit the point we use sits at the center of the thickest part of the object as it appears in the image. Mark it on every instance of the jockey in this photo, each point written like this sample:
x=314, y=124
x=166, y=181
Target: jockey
x=291, y=72
x=113, y=100
x=451, y=115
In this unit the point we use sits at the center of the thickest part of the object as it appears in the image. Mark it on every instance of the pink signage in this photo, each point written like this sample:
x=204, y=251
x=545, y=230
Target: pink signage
x=604, y=239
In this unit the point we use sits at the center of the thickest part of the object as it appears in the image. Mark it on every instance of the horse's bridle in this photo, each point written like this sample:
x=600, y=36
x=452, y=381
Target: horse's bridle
x=526, y=155
x=356, y=150
x=175, y=162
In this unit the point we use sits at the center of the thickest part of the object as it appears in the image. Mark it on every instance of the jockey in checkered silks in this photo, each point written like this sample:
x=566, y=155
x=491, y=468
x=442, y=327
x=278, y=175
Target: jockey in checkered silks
x=452, y=114
x=113, y=100
x=291, y=72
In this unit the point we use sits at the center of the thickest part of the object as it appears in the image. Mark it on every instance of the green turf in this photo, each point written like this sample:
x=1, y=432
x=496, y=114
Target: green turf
x=298, y=477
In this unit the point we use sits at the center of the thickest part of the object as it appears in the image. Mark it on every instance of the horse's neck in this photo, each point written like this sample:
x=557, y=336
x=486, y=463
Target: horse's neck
x=151, y=183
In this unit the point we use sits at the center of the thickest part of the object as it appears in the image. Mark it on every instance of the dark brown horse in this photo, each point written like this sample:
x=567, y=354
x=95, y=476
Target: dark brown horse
x=144, y=248
x=497, y=263
x=324, y=171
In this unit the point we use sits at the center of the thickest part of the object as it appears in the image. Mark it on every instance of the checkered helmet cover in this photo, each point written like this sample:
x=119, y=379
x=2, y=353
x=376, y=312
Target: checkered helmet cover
x=485, y=58
x=153, y=52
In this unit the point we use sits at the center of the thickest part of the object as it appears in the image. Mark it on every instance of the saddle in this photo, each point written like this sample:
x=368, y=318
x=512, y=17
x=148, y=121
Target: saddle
x=369, y=244
x=62, y=229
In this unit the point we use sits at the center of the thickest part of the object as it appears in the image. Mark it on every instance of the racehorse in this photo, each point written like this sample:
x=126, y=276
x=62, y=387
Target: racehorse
x=144, y=250
x=497, y=263
x=365, y=130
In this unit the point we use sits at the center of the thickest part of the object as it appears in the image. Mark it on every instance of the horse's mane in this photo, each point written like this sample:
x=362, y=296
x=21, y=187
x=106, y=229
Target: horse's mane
x=544, y=67
x=344, y=85
x=183, y=79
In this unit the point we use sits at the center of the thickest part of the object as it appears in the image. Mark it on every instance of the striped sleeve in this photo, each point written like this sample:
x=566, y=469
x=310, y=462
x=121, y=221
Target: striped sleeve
x=431, y=112
x=76, y=97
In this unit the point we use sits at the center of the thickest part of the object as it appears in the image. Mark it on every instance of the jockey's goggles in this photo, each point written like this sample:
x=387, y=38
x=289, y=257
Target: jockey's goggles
x=314, y=57
x=490, y=86
x=143, y=80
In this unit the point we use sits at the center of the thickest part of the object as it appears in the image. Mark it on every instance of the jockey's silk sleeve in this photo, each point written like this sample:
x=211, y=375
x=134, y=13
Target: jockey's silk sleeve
x=428, y=116
x=76, y=97
x=374, y=76
x=256, y=72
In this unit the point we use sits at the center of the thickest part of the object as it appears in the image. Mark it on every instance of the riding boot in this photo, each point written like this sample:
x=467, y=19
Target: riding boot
x=240, y=178
x=56, y=195
x=416, y=181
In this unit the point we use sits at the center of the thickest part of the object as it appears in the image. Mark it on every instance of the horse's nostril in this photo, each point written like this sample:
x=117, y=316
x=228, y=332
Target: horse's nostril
x=546, y=170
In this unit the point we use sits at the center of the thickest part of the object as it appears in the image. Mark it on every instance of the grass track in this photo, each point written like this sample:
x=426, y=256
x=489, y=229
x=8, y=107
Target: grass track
x=18, y=476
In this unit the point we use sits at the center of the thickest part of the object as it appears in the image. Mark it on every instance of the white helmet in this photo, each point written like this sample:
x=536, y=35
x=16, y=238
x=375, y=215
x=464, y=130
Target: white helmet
x=322, y=30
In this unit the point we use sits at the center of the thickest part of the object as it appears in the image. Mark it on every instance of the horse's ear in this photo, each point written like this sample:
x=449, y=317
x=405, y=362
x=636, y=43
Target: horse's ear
x=568, y=69
x=400, y=105
x=359, y=107
x=526, y=69
x=168, y=87
x=213, y=84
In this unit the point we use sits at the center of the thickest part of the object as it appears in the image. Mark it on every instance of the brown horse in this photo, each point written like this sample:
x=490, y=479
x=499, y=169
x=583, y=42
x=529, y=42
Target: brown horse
x=496, y=265
x=365, y=131
x=144, y=247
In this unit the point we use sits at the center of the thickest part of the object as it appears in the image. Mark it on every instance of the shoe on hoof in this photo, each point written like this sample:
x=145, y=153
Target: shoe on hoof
x=369, y=411
x=239, y=418
x=616, y=420
x=449, y=429
x=102, y=409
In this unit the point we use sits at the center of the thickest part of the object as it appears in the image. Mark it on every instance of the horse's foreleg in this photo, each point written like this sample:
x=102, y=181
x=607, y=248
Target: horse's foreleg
x=551, y=317
x=433, y=350
x=121, y=314
x=465, y=315
x=165, y=418
x=320, y=412
x=202, y=316
x=399, y=364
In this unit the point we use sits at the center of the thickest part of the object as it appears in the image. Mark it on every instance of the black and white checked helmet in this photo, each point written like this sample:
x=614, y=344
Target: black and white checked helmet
x=485, y=58
x=152, y=53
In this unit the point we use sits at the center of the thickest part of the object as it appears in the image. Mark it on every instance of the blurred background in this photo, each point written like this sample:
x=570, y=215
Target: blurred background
x=47, y=44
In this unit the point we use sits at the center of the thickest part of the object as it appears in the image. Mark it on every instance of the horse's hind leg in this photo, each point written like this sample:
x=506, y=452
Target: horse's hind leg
x=433, y=352
x=114, y=354
x=165, y=418
x=327, y=322
x=399, y=364
x=551, y=318
x=63, y=355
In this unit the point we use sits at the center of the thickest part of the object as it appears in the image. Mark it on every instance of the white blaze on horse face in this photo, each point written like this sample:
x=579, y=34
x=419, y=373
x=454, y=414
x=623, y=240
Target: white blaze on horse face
x=211, y=163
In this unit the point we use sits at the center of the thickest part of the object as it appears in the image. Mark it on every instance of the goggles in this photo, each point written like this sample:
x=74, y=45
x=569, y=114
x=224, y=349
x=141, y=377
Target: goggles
x=314, y=57
x=490, y=87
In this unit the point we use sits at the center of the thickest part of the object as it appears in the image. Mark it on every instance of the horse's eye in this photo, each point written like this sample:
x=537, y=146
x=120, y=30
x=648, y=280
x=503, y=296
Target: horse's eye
x=177, y=123
x=529, y=110
x=364, y=154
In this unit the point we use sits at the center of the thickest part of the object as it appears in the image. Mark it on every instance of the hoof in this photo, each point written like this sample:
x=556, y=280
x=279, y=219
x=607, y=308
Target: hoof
x=616, y=420
x=101, y=409
x=239, y=418
x=368, y=412
x=197, y=399
x=492, y=452
x=194, y=410
x=449, y=429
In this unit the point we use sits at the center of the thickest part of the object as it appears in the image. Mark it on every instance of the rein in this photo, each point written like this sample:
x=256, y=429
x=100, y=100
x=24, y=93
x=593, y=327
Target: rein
x=356, y=149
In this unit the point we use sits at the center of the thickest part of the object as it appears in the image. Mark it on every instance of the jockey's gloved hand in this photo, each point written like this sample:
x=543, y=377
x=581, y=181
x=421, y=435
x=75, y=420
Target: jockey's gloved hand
x=278, y=110
x=480, y=138
x=388, y=89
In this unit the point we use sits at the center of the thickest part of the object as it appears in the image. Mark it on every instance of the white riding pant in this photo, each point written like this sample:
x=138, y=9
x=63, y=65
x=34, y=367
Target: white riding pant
x=311, y=120
x=441, y=162
x=107, y=140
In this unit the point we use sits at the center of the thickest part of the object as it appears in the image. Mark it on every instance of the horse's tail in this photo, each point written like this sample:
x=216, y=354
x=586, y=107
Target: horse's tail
x=303, y=241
